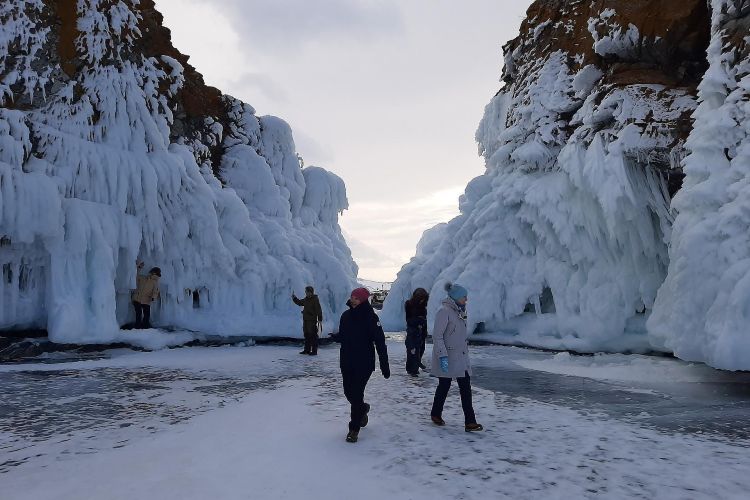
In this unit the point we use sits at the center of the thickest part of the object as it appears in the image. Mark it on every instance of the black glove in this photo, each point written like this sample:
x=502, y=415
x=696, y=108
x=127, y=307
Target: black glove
x=386, y=370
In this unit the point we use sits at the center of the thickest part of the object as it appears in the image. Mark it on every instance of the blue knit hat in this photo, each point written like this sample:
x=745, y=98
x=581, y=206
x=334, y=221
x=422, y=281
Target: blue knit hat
x=456, y=291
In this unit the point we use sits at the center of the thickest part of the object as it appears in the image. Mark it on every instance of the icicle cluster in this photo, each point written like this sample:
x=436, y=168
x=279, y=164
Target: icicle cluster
x=96, y=175
x=702, y=312
x=562, y=243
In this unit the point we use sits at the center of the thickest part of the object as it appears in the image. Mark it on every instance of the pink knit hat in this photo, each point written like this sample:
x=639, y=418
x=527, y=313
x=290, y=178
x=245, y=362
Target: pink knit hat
x=361, y=294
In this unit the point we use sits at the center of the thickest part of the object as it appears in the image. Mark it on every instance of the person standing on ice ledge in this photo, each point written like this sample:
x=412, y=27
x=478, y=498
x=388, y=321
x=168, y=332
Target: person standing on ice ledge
x=450, y=356
x=360, y=335
x=146, y=291
x=312, y=319
x=416, y=330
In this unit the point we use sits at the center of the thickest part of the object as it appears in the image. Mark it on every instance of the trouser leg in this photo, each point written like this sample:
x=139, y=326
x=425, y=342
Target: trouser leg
x=464, y=385
x=138, y=315
x=146, y=315
x=307, y=342
x=412, y=351
x=412, y=363
x=309, y=331
x=440, y=394
x=314, y=341
x=354, y=390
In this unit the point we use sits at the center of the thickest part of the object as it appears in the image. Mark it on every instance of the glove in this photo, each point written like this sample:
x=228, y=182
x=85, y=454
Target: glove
x=386, y=370
x=444, y=364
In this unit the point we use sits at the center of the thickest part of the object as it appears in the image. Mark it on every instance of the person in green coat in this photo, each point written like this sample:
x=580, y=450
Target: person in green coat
x=312, y=319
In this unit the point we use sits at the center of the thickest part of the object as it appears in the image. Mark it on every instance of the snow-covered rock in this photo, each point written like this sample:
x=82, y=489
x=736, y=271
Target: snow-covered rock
x=112, y=148
x=564, y=241
x=702, y=311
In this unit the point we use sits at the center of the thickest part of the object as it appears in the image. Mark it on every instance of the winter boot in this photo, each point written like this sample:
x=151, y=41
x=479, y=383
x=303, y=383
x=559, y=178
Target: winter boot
x=473, y=427
x=438, y=421
x=352, y=436
x=365, y=418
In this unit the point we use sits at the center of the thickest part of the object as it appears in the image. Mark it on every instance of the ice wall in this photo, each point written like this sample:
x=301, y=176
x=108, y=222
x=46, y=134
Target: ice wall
x=112, y=149
x=562, y=243
x=702, y=311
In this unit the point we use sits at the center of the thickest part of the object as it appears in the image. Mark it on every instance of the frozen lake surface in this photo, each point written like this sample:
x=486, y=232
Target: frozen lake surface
x=265, y=422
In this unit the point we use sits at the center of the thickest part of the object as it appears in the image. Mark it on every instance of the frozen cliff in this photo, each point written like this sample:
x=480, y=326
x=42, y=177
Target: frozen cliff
x=572, y=239
x=112, y=148
x=702, y=311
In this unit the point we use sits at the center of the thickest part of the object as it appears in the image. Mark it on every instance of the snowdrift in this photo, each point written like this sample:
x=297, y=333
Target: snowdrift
x=112, y=149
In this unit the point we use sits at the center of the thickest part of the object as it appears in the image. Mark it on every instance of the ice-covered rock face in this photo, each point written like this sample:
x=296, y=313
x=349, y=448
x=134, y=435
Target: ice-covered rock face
x=112, y=148
x=702, y=311
x=564, y=239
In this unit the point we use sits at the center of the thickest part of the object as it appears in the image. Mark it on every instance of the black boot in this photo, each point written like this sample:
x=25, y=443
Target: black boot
x=365, y=418
x=352, y=436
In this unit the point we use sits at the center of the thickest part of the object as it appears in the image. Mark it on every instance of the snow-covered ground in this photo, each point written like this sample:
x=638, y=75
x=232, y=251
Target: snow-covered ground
x=264, y=422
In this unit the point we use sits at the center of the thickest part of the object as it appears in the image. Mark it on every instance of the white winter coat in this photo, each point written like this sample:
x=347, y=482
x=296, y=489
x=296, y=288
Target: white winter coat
x=450, y=338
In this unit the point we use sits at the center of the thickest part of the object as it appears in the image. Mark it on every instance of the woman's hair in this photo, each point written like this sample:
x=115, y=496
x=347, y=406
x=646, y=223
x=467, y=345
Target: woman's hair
x=420, y=293
x=448, y=286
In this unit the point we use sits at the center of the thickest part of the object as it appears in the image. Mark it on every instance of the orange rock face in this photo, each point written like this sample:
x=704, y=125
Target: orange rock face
x=654, y=48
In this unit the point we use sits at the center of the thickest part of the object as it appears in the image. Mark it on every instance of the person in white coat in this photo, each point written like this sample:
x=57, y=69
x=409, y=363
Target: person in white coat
x=450, y=356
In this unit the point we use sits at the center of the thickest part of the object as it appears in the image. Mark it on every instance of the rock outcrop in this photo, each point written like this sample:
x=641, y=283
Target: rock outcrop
x=565, y=241
x=112, y=148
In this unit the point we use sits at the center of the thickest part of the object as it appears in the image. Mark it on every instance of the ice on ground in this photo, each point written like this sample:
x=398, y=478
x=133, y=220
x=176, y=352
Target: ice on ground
x=287, y=441
x=626, y=368
x=154, y=339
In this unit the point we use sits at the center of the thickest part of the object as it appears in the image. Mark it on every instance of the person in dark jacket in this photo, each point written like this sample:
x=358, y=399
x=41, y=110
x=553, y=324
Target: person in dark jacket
x=416, y=330
x=312, y=320
x=361, y=336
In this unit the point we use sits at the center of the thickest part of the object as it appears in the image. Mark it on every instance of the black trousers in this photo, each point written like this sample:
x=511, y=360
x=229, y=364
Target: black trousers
x=464, y=386
x=354, y=390
x=415, y=341
x=310, y=331
x=142, y=315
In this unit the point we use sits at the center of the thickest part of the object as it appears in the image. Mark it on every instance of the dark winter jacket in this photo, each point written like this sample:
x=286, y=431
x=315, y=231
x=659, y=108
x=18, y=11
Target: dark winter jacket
x=416, y=312
x=311, y=310
x=360, y=334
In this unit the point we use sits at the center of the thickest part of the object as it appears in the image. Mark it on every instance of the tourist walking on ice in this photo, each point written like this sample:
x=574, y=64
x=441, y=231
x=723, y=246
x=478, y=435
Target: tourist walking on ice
x=361, y=335
x=146, y=291
x=312, y=320
x=416, y=330
x=450, y=356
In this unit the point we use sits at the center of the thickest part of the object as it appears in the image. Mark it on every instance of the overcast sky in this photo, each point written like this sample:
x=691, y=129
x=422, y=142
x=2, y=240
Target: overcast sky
x=386, y=94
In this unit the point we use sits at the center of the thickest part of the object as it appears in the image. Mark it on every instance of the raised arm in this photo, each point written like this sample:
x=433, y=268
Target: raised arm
x=297, y=301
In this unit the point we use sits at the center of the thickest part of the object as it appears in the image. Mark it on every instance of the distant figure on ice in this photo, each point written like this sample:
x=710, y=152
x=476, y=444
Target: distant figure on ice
x=312, y=320
x=416, y=330
x=361, y=335
x=146, y=291
x=450, y=356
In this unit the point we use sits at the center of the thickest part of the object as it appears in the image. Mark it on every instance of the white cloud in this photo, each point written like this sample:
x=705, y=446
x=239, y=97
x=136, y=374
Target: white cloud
x=385, y=93
x=286, y=26
x=387, y=232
